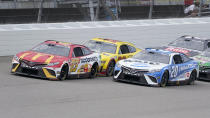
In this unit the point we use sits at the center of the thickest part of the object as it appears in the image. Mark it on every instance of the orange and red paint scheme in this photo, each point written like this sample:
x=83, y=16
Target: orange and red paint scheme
x=56, y=60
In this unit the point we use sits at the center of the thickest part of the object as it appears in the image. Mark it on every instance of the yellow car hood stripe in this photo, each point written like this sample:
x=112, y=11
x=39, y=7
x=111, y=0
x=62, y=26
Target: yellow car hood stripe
x=49, y=59
x=23, y=55
x=36, y=56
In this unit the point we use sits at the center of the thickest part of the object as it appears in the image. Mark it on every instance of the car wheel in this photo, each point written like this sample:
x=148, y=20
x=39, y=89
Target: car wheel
x=64, y=73
x=110, y=69
x=192, y=77
x=164, y=80
x=94, y=71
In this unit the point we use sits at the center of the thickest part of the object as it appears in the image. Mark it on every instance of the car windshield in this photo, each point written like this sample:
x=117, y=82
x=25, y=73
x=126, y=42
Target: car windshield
x=52, y=49
x=101, y=46
x=188, y=44
x=153, y=57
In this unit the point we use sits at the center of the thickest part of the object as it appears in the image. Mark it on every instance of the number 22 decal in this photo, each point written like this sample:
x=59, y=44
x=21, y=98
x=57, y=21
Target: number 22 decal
x=174, y=71
x=74, y=64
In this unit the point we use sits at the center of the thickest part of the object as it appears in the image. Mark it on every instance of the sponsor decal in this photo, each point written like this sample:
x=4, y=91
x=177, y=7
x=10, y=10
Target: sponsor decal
x=174, y=71
x=187, y=75
x=185, y=67
x=89, y=59
x=178, y=50
x=64, y=43
x=121, y=57
x=110, y=40
x=178, y=69
x=74, y=64
x=84, y=68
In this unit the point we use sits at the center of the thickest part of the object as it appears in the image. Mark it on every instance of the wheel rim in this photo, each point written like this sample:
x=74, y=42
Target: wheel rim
x=111, y=68
x=192, y=77
x=164, y=80
x=63, y=73
x=93, y=71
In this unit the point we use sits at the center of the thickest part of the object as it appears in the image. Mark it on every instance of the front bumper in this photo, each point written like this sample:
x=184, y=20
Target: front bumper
x=140, y=77
x=204, y=74
x=36, y=71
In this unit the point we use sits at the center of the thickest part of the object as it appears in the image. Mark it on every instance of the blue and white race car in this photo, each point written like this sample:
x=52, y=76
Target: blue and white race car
x=157, y=67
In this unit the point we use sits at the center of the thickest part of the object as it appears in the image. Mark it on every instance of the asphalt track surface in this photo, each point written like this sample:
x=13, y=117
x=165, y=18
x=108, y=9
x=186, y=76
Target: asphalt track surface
x=28, y=97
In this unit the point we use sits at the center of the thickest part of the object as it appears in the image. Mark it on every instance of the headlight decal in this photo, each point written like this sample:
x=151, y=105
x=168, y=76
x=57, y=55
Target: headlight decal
x=16, y=58
x=52, y=64
x=155, y=70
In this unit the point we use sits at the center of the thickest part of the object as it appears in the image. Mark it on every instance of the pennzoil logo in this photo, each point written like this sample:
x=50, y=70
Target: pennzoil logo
x=89, y=59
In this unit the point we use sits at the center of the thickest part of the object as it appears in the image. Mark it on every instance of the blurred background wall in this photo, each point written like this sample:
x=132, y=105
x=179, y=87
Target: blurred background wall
x=31, y=11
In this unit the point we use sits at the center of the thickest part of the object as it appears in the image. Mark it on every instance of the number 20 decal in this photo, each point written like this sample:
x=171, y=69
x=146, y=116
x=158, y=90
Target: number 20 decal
x=174, y=71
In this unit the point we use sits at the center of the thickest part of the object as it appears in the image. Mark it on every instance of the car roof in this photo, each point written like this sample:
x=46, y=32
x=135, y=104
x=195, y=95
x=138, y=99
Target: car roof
x=111, y=41
x=193, y=38
x=207, y=50
x=161, y=51
x=66, y=44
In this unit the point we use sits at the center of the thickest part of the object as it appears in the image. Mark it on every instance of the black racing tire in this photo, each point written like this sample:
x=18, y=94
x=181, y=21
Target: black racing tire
x=64, y=73
x=94, y=71
x=192, y=78
x=110, y=69
x=164, y=79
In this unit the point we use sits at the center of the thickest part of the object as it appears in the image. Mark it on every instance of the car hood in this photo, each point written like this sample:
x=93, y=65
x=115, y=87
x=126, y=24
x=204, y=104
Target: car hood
x=202, y=59
x=40, y=57
x=140, y=64
x=188, y=52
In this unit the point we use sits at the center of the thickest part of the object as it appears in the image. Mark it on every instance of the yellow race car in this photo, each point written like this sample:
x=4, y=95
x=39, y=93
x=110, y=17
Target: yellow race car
x=111, y=51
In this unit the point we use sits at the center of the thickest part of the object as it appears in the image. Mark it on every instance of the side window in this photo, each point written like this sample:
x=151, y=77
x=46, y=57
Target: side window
x=124, y=49
x=208, y=44
x=73, y=55
x=78, y=52
x=177, y=59
x=185, y=58
x=120, y=51
x=86, y=51
x=131, y=49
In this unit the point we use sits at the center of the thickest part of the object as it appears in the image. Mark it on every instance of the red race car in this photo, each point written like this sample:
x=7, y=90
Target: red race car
x=57, y=60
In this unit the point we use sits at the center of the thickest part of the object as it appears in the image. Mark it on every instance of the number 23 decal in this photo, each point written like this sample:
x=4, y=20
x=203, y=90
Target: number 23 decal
x=174, y=71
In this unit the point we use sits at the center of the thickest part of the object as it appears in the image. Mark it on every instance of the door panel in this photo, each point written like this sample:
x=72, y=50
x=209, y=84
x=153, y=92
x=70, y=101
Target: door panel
x=179, y=70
